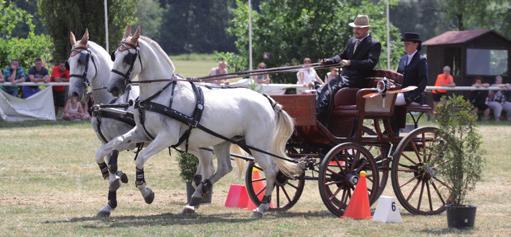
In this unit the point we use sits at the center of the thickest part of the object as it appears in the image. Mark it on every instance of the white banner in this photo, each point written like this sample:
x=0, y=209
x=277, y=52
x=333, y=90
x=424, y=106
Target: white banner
x=37, y=107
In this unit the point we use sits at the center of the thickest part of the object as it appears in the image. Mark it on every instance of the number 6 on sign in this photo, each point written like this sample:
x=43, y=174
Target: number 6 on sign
x=387, y=211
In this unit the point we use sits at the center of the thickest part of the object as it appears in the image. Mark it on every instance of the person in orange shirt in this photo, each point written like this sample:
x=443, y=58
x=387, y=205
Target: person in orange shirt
x=443, y=79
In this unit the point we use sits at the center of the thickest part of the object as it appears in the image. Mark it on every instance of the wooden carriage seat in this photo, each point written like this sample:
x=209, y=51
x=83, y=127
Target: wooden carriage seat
x=350, y=109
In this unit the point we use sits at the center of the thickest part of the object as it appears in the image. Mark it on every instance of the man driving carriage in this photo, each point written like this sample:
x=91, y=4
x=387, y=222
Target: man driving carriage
x=357, y=60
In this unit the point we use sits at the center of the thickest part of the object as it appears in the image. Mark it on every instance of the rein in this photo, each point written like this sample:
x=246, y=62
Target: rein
x=239, y=74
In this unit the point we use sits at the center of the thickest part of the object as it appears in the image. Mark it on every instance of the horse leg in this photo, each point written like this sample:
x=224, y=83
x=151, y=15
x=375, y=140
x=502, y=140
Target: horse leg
x=205, y=169
x=161, y=141
x=119, y=143
x=224, y=167
x=270, y=171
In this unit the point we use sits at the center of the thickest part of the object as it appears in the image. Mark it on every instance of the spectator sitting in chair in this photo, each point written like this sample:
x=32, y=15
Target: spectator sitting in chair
x=219, y=70
x=497, y=100
x=59, y=73
x=74, y=110
x=262, y=78
x=37, y=73
x=443, y=79
x=14, y=74
x=307, y=76
x=478, y=98
x=332, y=74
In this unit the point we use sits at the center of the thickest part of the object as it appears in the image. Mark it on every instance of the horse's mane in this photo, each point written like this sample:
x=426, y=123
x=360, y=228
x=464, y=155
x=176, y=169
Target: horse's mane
x=157, y=48
x=99, y=51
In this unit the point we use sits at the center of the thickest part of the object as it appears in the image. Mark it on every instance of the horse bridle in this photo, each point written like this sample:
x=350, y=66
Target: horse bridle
x=84, y=59
x=129, y=59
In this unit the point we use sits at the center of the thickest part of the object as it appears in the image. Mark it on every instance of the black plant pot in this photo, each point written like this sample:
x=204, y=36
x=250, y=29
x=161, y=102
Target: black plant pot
x=190, y=190
x=461, y=216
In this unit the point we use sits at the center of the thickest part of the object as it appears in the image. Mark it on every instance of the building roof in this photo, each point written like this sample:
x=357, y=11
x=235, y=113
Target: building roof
x=458, y=37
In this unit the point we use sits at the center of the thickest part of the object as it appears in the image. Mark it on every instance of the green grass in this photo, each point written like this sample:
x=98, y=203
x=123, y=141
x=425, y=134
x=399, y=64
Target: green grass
x=194, y=65
x=51, y=186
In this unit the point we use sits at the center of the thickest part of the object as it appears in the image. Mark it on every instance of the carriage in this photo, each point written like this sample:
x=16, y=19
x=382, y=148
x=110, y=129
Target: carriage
x=358, y=136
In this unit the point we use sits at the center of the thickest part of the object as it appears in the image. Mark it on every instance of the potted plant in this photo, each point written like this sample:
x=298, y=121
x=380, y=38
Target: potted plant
x=462, y=161
x=188, y=166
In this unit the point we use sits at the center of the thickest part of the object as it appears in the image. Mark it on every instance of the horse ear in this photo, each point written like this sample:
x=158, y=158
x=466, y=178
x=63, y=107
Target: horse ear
x=134, y=39
x=127, y=32
x=72, y=38
x=85, y=38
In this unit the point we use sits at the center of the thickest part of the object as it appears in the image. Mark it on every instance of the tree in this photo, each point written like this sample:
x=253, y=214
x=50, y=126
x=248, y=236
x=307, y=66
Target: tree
x=13, y=45
x=62, y=16
x=195, y=26
x=150, y=15
x=289, y=30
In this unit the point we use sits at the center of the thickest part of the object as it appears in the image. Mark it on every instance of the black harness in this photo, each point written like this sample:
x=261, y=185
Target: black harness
x=84, y=59
x=192, y=121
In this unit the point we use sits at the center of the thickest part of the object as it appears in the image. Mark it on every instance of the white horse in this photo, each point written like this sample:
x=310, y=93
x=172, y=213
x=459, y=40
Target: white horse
x=90, y=66
x=234, y=113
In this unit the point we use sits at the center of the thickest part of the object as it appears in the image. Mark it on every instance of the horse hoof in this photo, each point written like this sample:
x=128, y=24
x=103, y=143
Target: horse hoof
x=149, y=198
x=195, y=201
x=103, y=214
x=188, y=210
x=257, y=215
x=114, y=185
x=124, y=177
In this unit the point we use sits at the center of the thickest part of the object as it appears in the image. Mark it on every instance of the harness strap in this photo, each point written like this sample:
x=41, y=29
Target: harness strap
x=126, y=117
x=101, y=135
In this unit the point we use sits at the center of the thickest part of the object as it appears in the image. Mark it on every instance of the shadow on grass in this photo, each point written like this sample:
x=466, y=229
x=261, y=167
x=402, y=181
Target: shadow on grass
x=447, y=231
x=40, y=123
x=166, y=219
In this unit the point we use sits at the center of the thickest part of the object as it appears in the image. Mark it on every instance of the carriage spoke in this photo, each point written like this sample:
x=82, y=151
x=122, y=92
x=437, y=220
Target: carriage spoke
x=429, y=197
x=416, y=150
x=413, y=190
x=437, y=192
x=285, y=193
x=260, y=191
x=420, y=196
x=407, y=182
x=339, y=164
x=369, y=178
x=442, y=182
x=278, y=196
x=257, y=180
x=335, y=193
x=408, y=158
x=292, y=185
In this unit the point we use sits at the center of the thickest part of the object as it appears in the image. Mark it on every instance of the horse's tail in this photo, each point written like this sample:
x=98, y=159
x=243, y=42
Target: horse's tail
x=285, y=128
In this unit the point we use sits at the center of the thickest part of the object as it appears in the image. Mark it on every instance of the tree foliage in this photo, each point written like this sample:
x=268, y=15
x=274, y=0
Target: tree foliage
x=461, y=162
x=62, y=16
x=195, y=26
x=150, y=16
x=288, y=30
x=23, y=47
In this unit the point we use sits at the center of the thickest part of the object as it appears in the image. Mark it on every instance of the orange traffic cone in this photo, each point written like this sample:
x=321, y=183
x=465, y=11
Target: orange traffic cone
x=358, y=208
x=237, y=197
x=257, y=187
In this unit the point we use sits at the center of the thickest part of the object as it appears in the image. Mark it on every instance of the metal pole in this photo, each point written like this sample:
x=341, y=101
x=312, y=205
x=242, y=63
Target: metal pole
x=106, y=25
x=249, y=35
x=388, y=34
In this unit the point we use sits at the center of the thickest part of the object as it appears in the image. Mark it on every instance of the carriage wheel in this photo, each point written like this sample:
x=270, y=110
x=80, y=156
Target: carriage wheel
x=339, y=173
x=415, y=181
x=286, y=193
x=382, y=162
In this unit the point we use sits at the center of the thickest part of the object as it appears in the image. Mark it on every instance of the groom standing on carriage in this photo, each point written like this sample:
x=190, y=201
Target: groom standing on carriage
x=357, y=60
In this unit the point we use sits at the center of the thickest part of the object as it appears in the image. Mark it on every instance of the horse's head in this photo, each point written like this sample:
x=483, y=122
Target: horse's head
x=81, y=65
x=126, y=66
